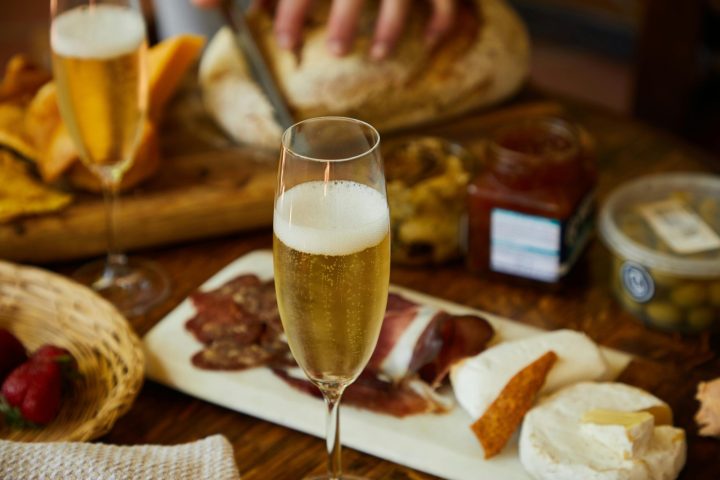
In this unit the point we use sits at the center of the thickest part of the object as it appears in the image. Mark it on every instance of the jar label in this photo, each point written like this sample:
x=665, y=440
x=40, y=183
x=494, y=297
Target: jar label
x=678, y=226
x=525, y=245
x=637, y=282
x=537, y=247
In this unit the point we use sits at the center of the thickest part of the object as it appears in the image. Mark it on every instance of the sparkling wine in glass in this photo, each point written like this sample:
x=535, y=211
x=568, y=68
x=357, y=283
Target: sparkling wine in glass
x=99, y=64
x=331, y=248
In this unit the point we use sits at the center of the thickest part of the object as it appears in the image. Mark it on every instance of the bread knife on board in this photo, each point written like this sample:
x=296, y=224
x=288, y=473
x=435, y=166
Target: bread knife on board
x=235, y=19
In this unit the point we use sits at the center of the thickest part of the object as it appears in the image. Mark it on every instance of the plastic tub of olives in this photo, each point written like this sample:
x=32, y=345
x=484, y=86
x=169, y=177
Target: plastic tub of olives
x=664, y=235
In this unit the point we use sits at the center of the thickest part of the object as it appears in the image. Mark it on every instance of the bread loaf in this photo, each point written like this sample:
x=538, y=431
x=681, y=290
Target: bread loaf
x=483, y=61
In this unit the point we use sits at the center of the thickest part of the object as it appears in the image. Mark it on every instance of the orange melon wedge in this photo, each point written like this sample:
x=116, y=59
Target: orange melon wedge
x=145, y=164
x=168, y=61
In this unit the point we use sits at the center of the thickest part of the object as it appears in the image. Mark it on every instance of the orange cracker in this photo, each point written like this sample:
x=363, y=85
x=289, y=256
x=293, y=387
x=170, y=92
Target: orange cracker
x=495, y=427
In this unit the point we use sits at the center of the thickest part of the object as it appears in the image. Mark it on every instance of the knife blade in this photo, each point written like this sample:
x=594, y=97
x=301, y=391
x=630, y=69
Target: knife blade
x=235, y=19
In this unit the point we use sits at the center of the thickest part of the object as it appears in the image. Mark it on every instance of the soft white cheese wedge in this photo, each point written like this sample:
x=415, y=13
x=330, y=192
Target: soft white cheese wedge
x=477, y=381
x=555, y=446
x=628, y=434
x=667, y=454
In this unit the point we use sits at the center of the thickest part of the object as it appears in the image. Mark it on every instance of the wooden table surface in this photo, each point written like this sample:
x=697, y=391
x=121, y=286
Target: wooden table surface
x=667, y=365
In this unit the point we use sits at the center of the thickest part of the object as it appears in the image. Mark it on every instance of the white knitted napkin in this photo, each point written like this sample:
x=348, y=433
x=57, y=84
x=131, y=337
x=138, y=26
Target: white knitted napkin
x=210, y=458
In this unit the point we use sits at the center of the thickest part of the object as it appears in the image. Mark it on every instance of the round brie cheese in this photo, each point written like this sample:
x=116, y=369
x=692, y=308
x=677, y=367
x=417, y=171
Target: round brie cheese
x=555, y=444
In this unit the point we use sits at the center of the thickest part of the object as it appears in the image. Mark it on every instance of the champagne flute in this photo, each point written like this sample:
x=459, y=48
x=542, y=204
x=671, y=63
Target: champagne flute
x=331, y=250
x=99, y=64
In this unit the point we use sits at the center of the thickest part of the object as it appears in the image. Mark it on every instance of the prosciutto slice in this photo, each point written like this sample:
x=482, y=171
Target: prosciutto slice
x=409, y=397
x=416, y=348
x=417, y=339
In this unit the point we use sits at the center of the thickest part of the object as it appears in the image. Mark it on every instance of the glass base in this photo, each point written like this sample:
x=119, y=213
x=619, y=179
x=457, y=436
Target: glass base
x=132, y=285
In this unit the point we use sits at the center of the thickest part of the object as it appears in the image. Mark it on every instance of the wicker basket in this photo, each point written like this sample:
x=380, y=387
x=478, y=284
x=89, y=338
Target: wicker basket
x=41, y=307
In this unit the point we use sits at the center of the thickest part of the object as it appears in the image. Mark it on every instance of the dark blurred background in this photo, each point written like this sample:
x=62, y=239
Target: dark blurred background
x=657, y=60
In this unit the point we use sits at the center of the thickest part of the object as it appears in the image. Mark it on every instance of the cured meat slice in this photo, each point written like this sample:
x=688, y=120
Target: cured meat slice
x=417, y=338
x=239, y=325
x=406, y=326
x=222, y=318
x=410, y=397
x=461, y=336
x=229, y=355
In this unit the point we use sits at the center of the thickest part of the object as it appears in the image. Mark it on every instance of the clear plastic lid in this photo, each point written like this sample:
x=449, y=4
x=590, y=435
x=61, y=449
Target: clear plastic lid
x=667, y=222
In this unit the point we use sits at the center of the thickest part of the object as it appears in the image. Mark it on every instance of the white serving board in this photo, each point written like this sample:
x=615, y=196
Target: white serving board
x=442, y=445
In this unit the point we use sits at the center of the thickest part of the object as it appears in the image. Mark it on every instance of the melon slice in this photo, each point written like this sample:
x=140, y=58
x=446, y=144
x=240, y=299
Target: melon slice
x=168, y=61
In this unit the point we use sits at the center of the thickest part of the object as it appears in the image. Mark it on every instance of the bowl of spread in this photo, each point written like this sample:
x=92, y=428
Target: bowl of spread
x=427, y=181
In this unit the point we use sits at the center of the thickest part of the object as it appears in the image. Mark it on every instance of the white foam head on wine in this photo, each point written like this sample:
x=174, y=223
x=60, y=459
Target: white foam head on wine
x=331, y=218
x=97, y=32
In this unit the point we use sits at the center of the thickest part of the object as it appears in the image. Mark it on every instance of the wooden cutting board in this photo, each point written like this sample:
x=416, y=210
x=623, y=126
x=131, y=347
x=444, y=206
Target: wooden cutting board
x=194, y=196
x=206, y=187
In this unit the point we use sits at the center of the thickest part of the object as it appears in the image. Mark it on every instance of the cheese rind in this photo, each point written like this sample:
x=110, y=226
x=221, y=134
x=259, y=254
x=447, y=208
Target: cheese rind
x=667, y=454
x=627, y=434
x=555, y=445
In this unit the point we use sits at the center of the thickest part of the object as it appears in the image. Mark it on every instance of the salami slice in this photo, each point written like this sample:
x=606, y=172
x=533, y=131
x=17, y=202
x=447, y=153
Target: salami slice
x=239, y=326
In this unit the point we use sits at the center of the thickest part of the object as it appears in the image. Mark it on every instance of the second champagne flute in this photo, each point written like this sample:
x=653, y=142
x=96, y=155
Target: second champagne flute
x=99, y=54
x=331, y=247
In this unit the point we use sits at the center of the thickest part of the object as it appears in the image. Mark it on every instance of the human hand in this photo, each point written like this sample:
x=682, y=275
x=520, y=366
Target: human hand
x=342, y=24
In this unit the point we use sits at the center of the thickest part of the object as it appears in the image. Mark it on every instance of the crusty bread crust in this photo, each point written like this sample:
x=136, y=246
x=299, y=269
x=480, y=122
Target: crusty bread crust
x=484, y=61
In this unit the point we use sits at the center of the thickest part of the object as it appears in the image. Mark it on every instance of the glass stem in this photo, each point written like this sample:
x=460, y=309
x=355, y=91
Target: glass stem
x=115, y=258
x=332, y=397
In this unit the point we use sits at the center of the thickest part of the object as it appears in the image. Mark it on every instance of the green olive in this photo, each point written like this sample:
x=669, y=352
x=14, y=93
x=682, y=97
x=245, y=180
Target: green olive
x=682, y=197
x=700, y=318
x=627, y=301
x=617, y=263
x=660, y=246
x=615, y=284
x=664, y=279
x=714, y=293
x=689, y=295
x=634, y=227
x=615, y=276
x=663, y=314
x=709, y=210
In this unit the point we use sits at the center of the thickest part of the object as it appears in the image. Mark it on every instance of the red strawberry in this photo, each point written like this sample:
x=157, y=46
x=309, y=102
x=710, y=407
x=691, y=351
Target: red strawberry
x=42, y=399
x=16, y=384
x=32, y=392
x=12, y=353
x=49, y=352
x=57, y=354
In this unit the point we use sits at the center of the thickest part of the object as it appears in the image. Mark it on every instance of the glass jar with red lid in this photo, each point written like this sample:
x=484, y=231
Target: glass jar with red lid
x=530, y=211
